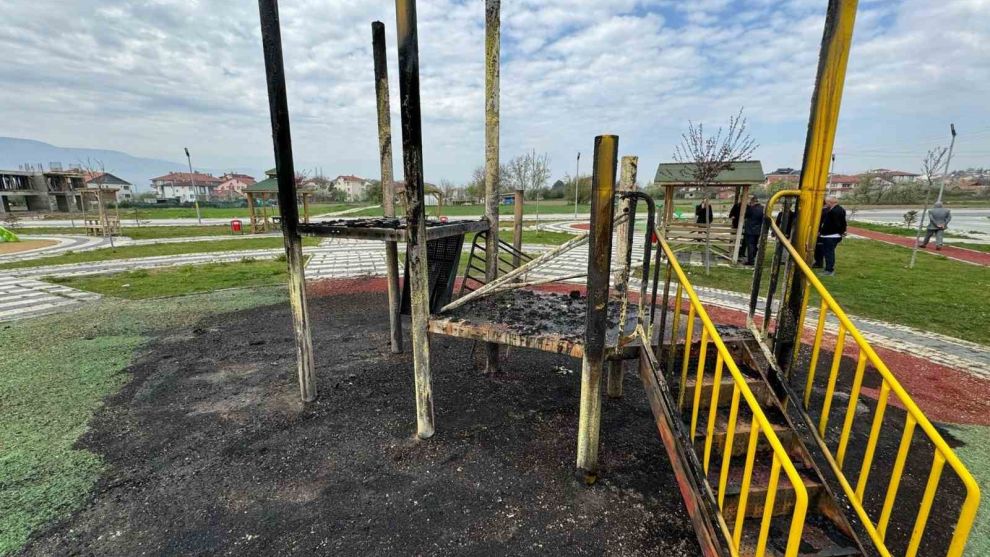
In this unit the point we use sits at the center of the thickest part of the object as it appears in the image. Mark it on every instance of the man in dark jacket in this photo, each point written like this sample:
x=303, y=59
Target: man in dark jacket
x=752, y=227
x=830, y=233
x=703, y=210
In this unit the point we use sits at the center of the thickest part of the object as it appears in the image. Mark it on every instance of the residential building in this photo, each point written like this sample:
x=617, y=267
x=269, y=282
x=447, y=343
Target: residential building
x=788, y=175
x=186, y=187
x=125, y=190
x=38, y=190
x=353, y=187
x=842, y=185
x=893, y=176
x=232, y=185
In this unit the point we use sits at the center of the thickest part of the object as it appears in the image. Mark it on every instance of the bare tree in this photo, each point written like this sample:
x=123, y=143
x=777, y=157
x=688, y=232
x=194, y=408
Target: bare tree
x=929, y=169
x=529, y=173
x=707, y=156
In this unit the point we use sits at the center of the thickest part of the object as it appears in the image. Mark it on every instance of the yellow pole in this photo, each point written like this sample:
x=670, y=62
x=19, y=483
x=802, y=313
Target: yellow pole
x=824, y=118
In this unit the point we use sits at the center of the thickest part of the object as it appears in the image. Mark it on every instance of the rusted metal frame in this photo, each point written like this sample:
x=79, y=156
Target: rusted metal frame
x=702, y=508
x=647, y=249
x=492, y=178
x=517, y=227
x=596, y=325
x=775, y=265
x=761, y=254
x=271, y=39
x=656, y=281
x=416, y=238
x=387, y=182
x=825, y=104
x=737, y=233
x=664, y=304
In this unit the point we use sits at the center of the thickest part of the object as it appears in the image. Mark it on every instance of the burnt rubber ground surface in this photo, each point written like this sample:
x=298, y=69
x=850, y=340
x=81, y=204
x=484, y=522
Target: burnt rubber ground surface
x=209, y=451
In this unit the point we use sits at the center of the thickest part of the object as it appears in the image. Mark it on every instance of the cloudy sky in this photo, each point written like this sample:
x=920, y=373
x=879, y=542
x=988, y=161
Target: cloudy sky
x=151, y=76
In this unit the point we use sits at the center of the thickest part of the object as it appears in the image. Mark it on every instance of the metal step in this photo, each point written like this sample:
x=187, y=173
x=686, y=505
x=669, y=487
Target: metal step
x=784, y=501
x=740, y=437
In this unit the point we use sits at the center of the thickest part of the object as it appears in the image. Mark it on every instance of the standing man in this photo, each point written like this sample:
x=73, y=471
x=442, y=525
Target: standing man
x=938, y=221
x=734, y=214
x=703, y=212
x=752, y=228
x=830, y=233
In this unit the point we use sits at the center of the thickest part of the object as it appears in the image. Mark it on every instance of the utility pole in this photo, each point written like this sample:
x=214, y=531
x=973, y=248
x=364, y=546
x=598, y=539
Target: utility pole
x=192, y=177
x=577, y=182
x=831, y=172
x=945, y=175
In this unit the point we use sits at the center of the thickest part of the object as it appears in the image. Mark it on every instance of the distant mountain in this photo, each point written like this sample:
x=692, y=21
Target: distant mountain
x=139, y=171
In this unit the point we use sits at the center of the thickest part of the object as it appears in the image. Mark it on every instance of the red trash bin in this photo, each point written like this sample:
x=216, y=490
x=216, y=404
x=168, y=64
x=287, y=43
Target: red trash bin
x=235, y=226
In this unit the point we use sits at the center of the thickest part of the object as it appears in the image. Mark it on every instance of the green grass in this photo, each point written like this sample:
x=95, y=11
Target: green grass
x=178, y=281
x=898, y=230
x=146, y=232
x=205, y=212
x=130, y=252
x=872, y=280
x=49, y=391
x=977, y=247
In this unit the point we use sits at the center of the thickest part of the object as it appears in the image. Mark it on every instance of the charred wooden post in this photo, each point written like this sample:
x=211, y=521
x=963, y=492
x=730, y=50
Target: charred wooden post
x=627, y=182
x=517, y=227
x=412, y=158
x=271, y=39
x=492, y=62
x=388, y=183
x=599, y=262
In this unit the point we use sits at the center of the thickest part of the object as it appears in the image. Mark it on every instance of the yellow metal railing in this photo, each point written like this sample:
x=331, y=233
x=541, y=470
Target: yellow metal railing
x=877, y=526
x=759, y=425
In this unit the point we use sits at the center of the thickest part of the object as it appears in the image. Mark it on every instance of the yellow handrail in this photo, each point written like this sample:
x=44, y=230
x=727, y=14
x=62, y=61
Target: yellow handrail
x=760, y=424
x=943, y=453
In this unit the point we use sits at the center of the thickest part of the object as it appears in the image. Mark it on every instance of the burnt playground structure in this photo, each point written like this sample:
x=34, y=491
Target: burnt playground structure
x=772, y=455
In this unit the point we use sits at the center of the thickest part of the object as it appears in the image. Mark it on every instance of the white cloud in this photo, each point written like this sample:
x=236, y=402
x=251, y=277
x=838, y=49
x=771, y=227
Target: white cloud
x=150, y=77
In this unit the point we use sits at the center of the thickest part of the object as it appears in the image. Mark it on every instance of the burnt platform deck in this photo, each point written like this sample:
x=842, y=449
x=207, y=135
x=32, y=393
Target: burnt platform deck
x=546, y=321
x=385, y=229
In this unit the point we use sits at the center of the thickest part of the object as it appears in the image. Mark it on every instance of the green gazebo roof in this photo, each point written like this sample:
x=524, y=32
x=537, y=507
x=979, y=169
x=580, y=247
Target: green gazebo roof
x=268, y=185
x=743, y=173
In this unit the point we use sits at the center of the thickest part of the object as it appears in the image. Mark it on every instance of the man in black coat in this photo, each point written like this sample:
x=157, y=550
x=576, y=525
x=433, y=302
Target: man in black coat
x=752, y=228
x=830, y=232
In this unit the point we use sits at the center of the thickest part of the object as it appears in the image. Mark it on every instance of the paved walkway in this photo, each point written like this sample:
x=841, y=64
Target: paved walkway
x=952, y=252
x=22, y=295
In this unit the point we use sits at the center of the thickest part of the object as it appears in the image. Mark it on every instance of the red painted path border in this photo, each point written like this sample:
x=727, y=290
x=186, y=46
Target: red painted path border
x=952, y=252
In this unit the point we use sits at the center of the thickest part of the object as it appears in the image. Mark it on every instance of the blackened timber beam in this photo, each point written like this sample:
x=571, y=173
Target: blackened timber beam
x=271, y=40
x=412, y=158
x=627, y=182
x=492, y=63
x=596, y=326
x=390, y=234
x=387, y=182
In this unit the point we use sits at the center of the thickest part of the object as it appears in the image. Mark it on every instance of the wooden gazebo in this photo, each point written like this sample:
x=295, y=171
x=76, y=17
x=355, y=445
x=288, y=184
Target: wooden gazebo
x=261, y=216
x=722, y=239
x=102, y=223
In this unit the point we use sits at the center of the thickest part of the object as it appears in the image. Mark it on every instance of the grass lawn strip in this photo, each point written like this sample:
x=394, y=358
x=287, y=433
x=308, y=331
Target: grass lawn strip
x=144, y=232
x=50, y=390
x=940, y=295
x=132, y=252
x=178, y=281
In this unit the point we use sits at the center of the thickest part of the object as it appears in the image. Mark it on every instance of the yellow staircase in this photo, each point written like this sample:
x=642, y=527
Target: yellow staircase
x=758, y=465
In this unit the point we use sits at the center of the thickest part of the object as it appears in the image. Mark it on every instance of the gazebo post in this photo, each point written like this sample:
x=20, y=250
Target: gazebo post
x=734, y=256
x=251, y=215
x=388, y=182
x=271, y=38
x=412, y=158
x=596, y=325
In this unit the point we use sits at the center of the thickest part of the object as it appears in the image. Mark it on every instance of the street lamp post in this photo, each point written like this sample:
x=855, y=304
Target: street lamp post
x=577, y=183
x=945, y=175
x=192, y=178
